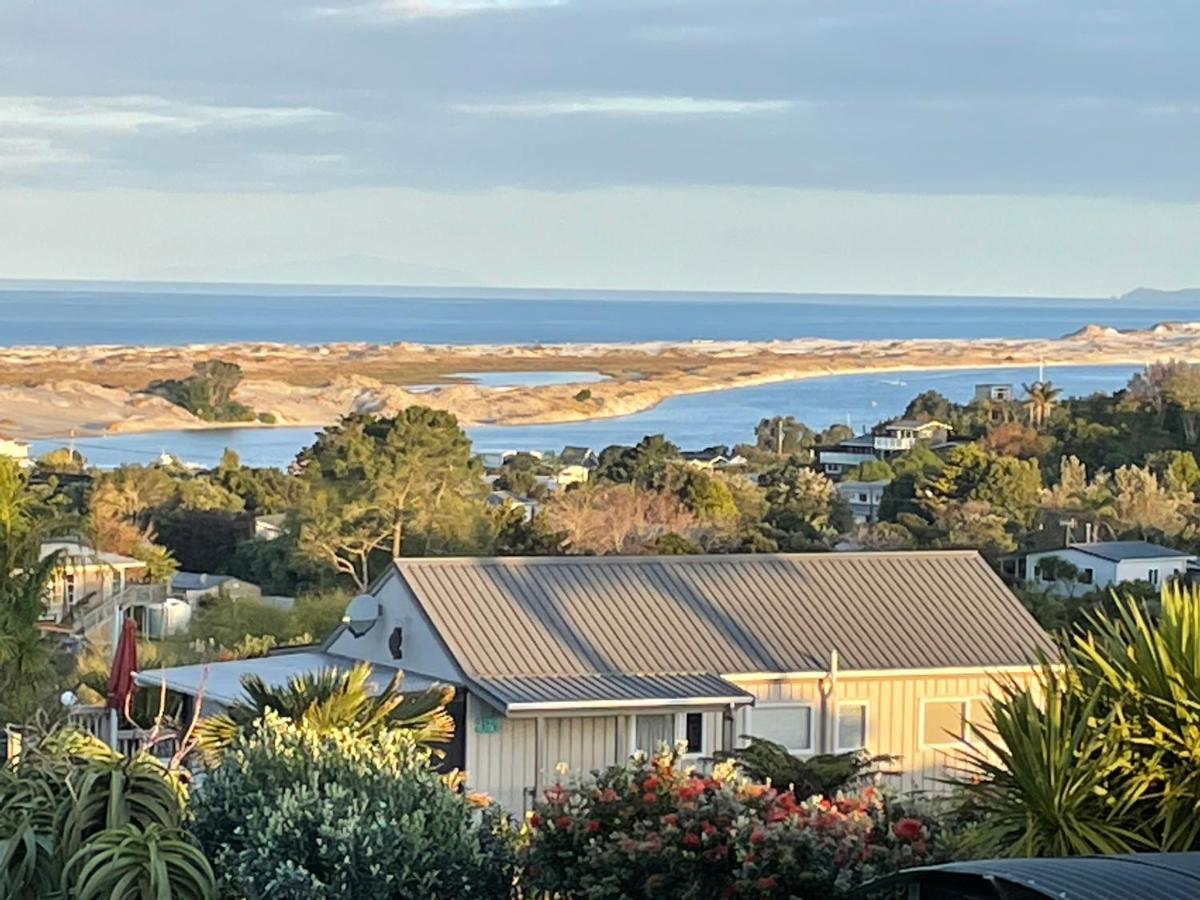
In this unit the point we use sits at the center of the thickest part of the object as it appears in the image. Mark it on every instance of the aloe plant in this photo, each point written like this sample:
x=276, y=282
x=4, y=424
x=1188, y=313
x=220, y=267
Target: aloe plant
x=132, y=863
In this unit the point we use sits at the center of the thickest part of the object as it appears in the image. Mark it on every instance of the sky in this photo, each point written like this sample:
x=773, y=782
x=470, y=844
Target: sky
x=890, y=146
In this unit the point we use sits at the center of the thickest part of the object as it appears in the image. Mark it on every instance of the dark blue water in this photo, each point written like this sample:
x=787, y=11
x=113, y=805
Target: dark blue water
x=188, y=315
x=692, y=421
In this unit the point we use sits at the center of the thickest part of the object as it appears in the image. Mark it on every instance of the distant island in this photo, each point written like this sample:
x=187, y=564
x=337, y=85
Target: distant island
x=52, y=391
x=1143, y=294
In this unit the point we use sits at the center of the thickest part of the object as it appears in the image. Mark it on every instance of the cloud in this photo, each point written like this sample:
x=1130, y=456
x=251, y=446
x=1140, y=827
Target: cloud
x=416, y=9
x=628, y=105
x=136, y=113
x=30, y=153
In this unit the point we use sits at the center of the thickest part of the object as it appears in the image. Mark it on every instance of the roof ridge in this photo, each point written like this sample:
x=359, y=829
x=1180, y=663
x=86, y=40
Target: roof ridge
x=641, y=674
x=677, y=559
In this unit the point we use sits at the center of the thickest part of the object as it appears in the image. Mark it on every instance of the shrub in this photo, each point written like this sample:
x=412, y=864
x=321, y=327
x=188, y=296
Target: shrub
x=825, y=774
x=651, y=829
x=1100, y=755
x=294, y=812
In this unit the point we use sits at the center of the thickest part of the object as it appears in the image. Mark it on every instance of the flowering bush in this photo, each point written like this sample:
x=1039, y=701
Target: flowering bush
x=650, y=829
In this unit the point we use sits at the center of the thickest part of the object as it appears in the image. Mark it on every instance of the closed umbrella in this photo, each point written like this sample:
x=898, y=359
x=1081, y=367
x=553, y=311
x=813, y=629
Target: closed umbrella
x=120, y=681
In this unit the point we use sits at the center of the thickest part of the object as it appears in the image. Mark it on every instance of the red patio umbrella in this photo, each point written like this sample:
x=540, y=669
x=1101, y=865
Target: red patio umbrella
x=124, y=664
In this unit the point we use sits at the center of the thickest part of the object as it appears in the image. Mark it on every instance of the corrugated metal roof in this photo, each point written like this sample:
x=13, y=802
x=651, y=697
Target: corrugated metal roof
x=221, y=682
x=1116, y=551
x=723, y=614
x=1167, y=876
x=613, y=687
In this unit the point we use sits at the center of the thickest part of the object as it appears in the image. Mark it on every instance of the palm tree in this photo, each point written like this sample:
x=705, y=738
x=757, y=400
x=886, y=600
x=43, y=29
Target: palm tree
x=1040, y=399
x=332, y=699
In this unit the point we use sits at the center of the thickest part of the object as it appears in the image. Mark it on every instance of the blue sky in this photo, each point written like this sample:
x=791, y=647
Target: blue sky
x=916, y=146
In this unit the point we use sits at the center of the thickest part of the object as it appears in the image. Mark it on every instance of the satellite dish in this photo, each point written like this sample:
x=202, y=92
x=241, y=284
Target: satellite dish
x=361, y=614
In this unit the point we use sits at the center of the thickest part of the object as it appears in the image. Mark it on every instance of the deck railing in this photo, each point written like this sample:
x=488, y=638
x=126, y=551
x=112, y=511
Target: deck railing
x=91, y=623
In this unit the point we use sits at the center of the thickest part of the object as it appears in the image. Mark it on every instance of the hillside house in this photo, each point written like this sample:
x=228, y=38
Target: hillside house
x=863, y=498
x=1102, y=564
x=583, y=660
x=85, y=577
x=888, y=440
x=18, y=451
x=994, y=393
x=196, y=587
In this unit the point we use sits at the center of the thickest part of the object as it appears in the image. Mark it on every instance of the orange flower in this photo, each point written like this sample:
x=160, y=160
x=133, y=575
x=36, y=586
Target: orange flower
x=907, y=829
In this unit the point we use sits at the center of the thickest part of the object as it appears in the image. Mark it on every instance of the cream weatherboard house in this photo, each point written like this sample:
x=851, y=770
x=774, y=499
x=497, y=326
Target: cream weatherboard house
x=582, y=661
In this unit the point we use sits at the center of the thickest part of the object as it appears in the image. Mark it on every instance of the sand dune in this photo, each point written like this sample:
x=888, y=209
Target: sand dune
x=47, y=392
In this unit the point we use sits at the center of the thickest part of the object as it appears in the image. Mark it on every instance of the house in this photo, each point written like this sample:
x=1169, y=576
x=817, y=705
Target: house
x=888, y=440
x=85, y=576
x=579, y=456
x=863, y=498
x=270, y=527
x=994, y=393
x=507, y=499
x=195, y=587
x=713, y=458
x=584, y=660
x=1102, y=564
x=13, y=449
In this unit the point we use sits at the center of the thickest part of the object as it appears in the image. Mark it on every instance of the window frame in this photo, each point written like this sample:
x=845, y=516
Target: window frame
x=811, y=749
x=866, y=722
x=674, y=718
x=678, y=731
x=923, y=741
x=681, y=733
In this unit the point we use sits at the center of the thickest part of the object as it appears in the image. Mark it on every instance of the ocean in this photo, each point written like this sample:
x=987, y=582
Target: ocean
x=197, y=314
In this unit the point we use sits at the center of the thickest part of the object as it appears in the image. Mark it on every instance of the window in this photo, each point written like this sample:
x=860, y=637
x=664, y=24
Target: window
x=945, y=723
x=650, y=731
x=693, y=732
x=1153, y=573
x=851, y=729
x=790, y=724
x=1087, y=576
x=862, y=498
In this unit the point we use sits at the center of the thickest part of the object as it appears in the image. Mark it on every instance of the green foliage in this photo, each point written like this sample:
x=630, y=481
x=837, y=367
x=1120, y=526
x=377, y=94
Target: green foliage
x=872, y=470
x=824, y=775
x=707, y=495
x=77, y=817
x=783, y=436
x=131, y=863
x=299, y=813
x=929, y=406
x=1101, y=756
x=644, y=465
x=584, y=395
x=62, y=460
x=400, y=483
x=334, y=700
x=803, y=508
x=208, y=392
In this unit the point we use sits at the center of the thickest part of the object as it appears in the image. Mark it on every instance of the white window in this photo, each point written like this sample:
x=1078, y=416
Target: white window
x=790, y=724
x=945, y=723
x=651, y=731
x=850, y=732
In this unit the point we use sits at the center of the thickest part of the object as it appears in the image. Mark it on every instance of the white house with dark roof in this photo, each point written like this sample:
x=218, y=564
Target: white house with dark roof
x=584, y=660
x=1103, y=564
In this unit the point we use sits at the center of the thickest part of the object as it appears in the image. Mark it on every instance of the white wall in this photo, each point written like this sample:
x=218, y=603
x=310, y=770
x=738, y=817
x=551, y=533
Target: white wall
x=422, y=649
x=1104, y=572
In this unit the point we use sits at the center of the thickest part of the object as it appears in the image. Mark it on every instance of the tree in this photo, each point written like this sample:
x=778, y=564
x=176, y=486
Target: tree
x=1017, y=439
x=707, y=495
x=371, y=479
x=27, y=516
x=782, y=435
x=62, y=460
x=644, y=464
x=975, y=525
x=872, y=470
x=929, y=406
x=208, y=392
x=1040, y=398
x=1060, y=571
x=803, y=507
x=616, y=518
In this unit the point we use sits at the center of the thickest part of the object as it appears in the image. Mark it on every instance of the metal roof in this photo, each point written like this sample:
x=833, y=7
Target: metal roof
x=726, y=614
x=1118, y=551
x=221, y=682
x=567, y=691
x=1167, y=876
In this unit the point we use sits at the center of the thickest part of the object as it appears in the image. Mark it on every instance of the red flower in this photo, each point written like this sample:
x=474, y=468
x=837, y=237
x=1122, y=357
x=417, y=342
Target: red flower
x=671, y=819
x=907, y=829
x=592, y=826
x=691, y=840
x=562, y=823
x=650, y=798
x=707, y=828
x=766, y=884
x=757, y=836
x=535, y=821
x=650, y=783
x=608, y=795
